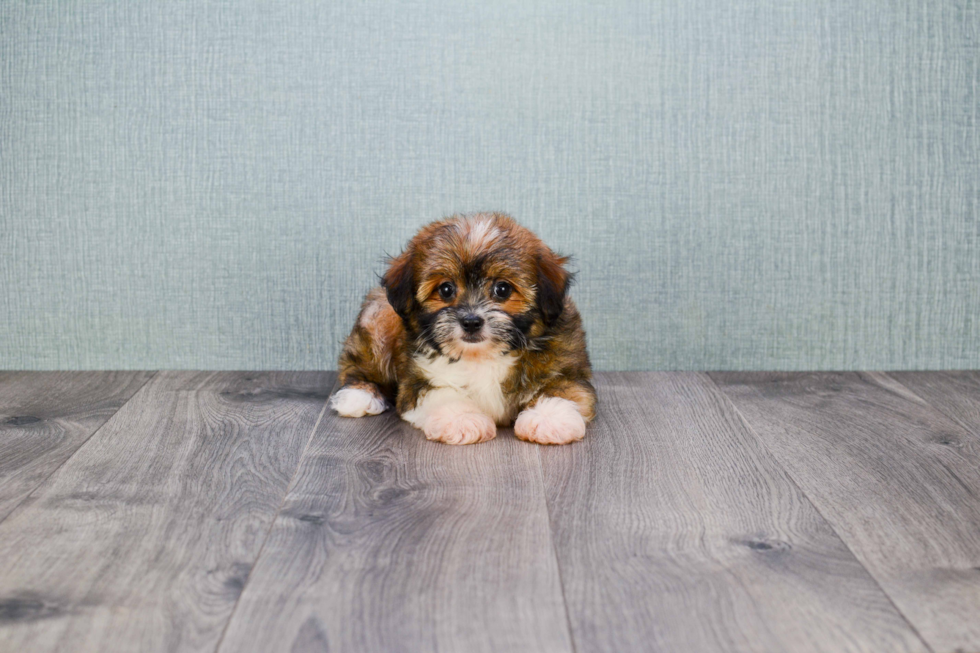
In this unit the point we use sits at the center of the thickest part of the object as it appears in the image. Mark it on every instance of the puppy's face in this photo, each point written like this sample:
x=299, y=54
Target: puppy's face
x=476, y=285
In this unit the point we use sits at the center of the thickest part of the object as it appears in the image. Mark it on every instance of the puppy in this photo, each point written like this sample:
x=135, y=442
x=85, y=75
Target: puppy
x=472, y=329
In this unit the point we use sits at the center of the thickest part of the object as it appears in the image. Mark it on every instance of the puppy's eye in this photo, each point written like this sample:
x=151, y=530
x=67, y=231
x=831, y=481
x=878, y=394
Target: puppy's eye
x=447, y=290
x=502, y=290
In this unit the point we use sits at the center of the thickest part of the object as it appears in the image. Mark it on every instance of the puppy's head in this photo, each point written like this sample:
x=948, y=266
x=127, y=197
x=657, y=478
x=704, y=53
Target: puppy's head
x=477, y=284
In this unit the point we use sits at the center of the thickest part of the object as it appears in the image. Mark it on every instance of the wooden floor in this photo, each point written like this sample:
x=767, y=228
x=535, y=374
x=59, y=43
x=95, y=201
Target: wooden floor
x=203, y=511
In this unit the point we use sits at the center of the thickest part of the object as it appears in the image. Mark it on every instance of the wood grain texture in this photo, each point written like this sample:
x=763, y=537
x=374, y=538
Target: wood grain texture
x=955, y=394
x=46, y=416
x=675, y=530
x=388, y=542
x=144, y=539
x=898, y=480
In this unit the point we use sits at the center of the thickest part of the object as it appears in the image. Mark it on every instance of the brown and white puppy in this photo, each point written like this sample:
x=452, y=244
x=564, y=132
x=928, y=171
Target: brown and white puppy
x=472, y=329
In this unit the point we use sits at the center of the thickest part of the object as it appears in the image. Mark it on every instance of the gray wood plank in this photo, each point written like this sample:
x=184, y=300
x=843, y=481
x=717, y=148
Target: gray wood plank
x=388, y=542
x=144, y=539
x=675, y=530
x=955, y=394
x=887, y=472
x=46, y=416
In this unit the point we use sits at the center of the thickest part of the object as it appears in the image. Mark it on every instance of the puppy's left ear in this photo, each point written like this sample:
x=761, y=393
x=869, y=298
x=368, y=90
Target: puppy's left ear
x=553, y=283
x=399, y=283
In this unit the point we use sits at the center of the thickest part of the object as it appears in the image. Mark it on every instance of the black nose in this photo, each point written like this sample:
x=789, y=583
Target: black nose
x=471, y=323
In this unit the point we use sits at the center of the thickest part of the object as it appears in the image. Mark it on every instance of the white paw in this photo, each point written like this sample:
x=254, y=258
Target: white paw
x=551, y=421
x=458, y=424
x=354, y=402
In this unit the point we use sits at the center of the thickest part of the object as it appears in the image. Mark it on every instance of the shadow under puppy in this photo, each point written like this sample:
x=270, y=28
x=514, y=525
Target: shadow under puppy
x=472, y=328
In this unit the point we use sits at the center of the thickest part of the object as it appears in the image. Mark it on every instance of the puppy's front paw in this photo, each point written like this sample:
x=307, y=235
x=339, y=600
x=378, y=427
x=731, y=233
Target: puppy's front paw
x=355, y=402
x=550, y=421
x=459, y=424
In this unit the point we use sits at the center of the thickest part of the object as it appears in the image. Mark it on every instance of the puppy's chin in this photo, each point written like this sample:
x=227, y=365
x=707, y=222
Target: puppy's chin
x=465, y=347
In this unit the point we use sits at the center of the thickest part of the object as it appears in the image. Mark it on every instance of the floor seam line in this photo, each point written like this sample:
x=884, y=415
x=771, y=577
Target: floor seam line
x=762, y=442
x=91, y=435
x=554, y=551
x=953, y=418
x=275, y=518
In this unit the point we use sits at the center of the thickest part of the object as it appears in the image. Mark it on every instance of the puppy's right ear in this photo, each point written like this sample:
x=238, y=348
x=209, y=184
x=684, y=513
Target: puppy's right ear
x=399, y=283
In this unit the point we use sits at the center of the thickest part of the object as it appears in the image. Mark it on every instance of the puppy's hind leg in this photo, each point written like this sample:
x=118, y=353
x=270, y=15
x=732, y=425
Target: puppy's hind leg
x=358, y=400
x=367, y=371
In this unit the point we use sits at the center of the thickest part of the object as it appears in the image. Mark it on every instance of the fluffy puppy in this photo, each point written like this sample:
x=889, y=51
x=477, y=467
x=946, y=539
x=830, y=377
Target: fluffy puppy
x=472, y=329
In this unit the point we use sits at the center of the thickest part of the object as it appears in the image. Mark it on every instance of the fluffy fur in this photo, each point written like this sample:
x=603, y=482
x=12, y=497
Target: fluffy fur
x=472, y=328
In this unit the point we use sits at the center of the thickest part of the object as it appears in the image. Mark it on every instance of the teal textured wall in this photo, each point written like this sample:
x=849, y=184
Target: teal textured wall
x=211, y=184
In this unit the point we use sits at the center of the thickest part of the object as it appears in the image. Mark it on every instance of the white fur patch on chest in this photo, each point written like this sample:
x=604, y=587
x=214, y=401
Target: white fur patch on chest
x=478, y=379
